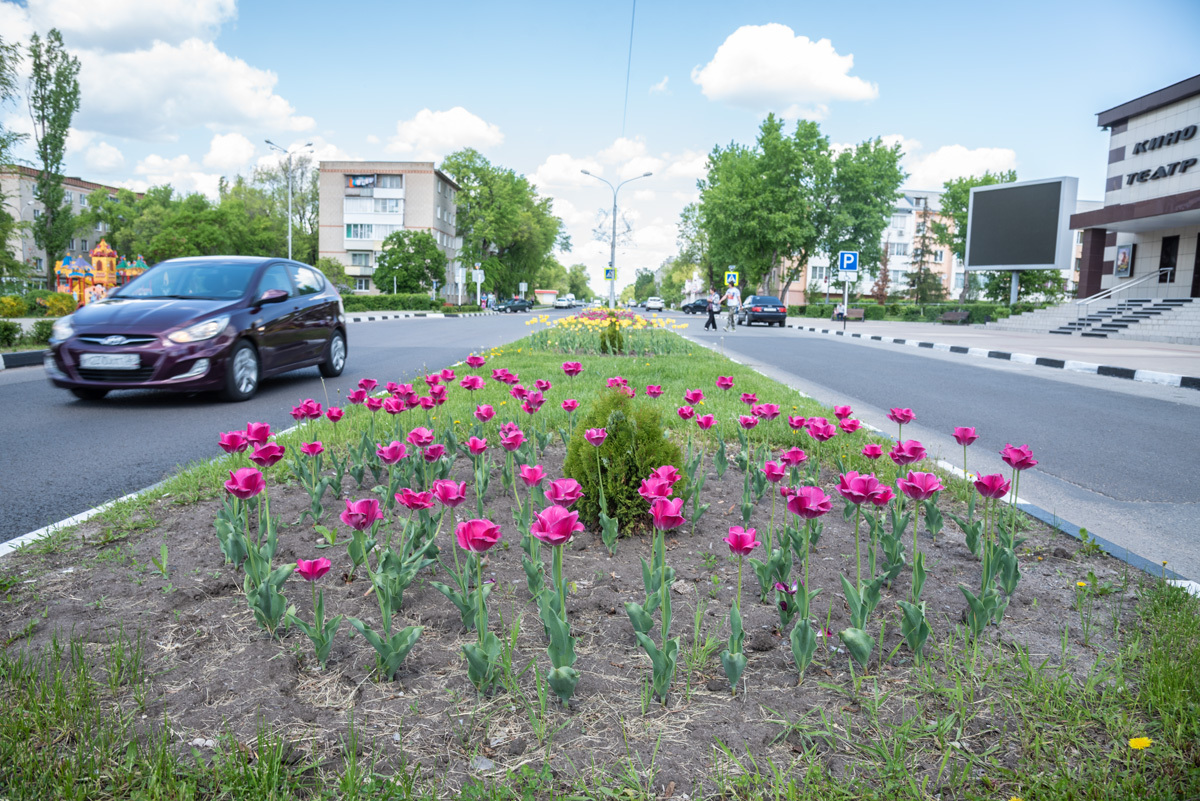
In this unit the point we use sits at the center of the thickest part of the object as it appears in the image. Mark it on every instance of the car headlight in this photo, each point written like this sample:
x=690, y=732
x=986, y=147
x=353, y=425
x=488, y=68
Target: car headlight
x=62, y=328
x=200, y=331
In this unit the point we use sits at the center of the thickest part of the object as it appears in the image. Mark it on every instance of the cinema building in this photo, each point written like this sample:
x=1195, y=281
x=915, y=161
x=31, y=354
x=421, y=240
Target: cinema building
x=1144, y=243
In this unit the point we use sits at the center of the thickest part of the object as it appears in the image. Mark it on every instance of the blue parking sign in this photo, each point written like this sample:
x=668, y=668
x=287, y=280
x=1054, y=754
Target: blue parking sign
x=848, y=261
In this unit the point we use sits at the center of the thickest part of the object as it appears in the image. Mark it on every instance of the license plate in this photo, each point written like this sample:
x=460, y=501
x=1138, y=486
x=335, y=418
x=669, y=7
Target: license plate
x=110, y=361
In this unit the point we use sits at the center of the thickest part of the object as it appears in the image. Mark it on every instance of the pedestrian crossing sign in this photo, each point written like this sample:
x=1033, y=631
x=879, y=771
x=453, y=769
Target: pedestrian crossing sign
x=731, y=278
x=610, y=273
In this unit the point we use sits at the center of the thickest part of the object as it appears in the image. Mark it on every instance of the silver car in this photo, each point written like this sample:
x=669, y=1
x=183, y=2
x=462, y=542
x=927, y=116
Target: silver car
x=655, y=304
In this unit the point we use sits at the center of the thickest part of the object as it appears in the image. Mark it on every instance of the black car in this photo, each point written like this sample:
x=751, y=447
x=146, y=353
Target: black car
x=697, y=306
x=762, y=309
x=514, y=305
x=207, y=323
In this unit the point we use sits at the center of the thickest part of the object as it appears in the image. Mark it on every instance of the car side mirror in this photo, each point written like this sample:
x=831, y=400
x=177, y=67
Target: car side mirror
x=272, y=296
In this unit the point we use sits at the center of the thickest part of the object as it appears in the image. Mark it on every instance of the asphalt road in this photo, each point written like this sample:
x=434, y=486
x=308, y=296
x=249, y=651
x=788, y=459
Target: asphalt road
x=1115, y=457
x=60, y=456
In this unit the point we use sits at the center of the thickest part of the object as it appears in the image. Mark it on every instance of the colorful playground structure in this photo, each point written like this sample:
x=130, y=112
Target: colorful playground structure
x=90, y=282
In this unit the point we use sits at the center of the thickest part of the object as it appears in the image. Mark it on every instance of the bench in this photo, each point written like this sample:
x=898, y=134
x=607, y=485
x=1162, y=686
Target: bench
x=852, y=314
x=958, y=318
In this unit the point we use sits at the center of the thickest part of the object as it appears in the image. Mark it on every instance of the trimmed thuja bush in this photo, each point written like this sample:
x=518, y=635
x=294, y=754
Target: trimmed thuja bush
x=636, y=444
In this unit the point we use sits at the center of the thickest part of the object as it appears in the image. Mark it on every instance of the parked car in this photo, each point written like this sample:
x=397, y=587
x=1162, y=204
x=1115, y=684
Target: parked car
x=762, y=309
x=514, y=305
x=219, y=323
x=564, y=302
x=697, y=306
x=655, y=304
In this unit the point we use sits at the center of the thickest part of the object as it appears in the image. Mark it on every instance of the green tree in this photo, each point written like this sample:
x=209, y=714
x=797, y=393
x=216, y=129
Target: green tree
x=10, y=228
x=410, y=262
x=335, y=271
x=273, y=182
x=1035, y=285
x=551, y=275
x=577, y=282
x=644, y=285
x=924, y=284
x=53, y=101
x=863, y=191
x=692, y=240
x=676, y=274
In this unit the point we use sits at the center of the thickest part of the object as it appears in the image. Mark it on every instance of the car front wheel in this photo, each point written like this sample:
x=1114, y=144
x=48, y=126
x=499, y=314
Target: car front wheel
x=241, y=373
x=335, y=356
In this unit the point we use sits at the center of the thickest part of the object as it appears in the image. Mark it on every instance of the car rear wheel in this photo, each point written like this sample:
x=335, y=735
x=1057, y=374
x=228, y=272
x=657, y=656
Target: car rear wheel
x=89, y=393
x=335, y=356
x=241, y=373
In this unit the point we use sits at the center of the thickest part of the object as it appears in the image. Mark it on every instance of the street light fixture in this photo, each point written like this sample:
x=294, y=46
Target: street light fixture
x=612, y=259
x=288, y=153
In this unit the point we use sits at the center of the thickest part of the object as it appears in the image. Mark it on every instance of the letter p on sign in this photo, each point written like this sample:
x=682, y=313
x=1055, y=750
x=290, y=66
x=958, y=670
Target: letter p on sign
x=848, y=261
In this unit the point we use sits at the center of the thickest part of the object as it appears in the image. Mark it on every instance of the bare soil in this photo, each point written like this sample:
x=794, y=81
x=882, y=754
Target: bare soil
x=213, y=671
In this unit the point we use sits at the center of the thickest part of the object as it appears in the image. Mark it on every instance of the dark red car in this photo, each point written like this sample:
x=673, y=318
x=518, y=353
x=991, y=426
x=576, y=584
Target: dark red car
x=219, y=323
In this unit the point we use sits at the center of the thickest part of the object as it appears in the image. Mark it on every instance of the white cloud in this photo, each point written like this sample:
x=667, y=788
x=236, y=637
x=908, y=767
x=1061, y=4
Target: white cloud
x=661, y=86
x=168, y=88
x=956, y=161
x=770, y=68
x=691, y=164
x=372, y=139
x=103, y=157
x=181, y=173
x=623, y=149
x=77, y=140
x=639, y=166
x=129, y=24
x=563, y=169
x=433, y=134
x=315, y=148
x=229, y=152
x=644, y=194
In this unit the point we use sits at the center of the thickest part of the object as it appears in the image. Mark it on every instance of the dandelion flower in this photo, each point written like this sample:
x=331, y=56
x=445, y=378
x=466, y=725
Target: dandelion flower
x=1138, y=743
x=1081, y=584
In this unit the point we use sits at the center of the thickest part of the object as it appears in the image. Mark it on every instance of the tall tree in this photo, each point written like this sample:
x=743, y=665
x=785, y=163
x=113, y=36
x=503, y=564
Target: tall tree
x=692, y=240
x=924, y=284
x=410, y=262
x=643, y=285
x=577, y=282
x=53, y=100
x=273, y=181
x=10, y=56
x=864, y=187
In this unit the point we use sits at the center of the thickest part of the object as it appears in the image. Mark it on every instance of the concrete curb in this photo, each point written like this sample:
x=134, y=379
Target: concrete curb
x=22, y=358
x=1146, y=376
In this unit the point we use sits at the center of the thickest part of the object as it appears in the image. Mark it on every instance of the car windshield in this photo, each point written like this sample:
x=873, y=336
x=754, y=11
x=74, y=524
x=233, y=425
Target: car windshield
x=765, y=300
x=189, y=279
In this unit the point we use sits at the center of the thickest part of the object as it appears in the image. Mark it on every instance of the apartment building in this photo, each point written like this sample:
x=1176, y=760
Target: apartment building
x=362, y=202
x=17, y=185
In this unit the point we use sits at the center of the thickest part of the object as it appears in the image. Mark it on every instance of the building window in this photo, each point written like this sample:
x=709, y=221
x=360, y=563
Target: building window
x=37, y=262
x=360, y=180
x=439, y=187
x=919, y=202
x=939, y=255
x=1167, y=259
x=439, y=212
x=360, y=231
x=959, y=280
x=1078, y=263
x=898, y=221
x=83, y=245
x=360, y=259
x=391, y=182
x=71, y=245
x=389, y=205
x=83, y=203
x=897, y=248
x=1079, y=237
x=37, y=214
x=362, y=284
x=920, y=228
x=68, y=197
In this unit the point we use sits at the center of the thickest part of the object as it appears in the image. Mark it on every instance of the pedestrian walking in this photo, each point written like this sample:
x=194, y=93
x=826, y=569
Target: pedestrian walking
x=734, y=300
x=714, y=302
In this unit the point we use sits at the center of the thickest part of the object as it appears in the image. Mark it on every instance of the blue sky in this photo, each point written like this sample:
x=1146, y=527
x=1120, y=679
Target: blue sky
x=186, y=91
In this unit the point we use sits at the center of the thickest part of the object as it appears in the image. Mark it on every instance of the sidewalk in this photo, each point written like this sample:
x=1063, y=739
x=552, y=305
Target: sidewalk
x=1156, y=362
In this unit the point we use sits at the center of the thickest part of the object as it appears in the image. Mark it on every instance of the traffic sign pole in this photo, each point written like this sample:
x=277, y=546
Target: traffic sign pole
x=847, y=272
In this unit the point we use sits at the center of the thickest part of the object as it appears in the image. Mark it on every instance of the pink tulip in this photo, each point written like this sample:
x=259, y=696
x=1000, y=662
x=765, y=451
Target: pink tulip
x=476, y=445
x=1018, y=458
x=796, y=422
x=901, y=416
x=706, y=421
x=394, y=405
x=842, y=412
x=435, y=452
x=883, y=496
x=793, y=457
x=420, y=437
x=654, y=390
x=965, y=435
x=257, y=433
x=414, y=501
x=686, y=412
x=313, y=569
x=667, y=473
x=484, y=413
x=299, y=413
x=821, y=429
x=374, y=404
x=596, y=436
x=391, y=454
x=742, y=541
x=543, y=385
x=361, y=515
x=617, y=381
x=693, y=396
x=334, y=413
x=425, y=402
x=312, y=409
x=572, y=369
x=476, y=362
x=872, y=451
x=449, y=493
x=471, y=382
x=747, y=422
x=919, y=486
x=907, y=452
x=367, y=384
x=358, y=397
x=849, y=426
x=774, y=471
x=519, y=392
x=858, y=489
x=245, y=483
x=724, y=382
x=570, y=405
x=654, y=487
x=555, y=525
x=532, y=475
x=500, y=374
x=477, y=535
x=992, y=486
x=512, y=440
x=508, y=428
x=447, y=375
x=765, y=411
x=809, y=503
x=233, y=441
x=400, y=390
x=564, y=491
x=312, y=448
x=432, y=380
x=749, y=398
x=665, y=514
x=267, y=455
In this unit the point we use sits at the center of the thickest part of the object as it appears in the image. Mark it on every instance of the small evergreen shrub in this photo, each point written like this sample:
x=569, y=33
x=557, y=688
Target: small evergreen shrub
x=40, y=335
x=875, y=312
x=10, y=332
x=635, y=446
x=611, y=340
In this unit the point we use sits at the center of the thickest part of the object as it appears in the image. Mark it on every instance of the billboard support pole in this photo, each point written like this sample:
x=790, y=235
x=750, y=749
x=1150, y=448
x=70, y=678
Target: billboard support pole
x=1012, y=292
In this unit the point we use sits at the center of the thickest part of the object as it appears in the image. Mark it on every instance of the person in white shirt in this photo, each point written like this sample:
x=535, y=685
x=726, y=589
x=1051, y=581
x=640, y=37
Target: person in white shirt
x=734, y=298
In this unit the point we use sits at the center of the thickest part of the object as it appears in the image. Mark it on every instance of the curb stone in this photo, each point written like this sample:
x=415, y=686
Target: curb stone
x=1146, y=376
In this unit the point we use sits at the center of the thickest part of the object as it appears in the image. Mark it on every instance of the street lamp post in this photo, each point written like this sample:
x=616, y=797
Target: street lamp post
x=288, y=153
x=612, y=259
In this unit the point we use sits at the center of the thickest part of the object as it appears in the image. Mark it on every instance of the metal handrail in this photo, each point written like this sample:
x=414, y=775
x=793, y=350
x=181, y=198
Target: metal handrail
x=1112, y=290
